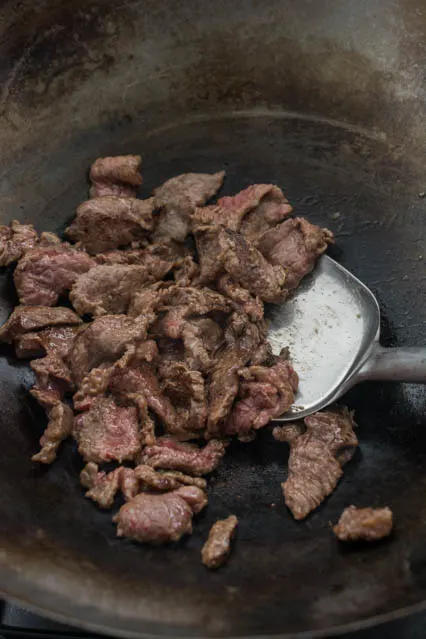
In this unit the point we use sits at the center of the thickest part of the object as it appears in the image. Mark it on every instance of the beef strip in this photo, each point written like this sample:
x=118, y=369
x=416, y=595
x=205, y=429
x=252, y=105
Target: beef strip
x=201, y=337
x=15, y=240
x=164, y=481
x=103, y=487
x=177, y=198
x=295, y=245
x=316, y=458
x=108, y=289
x=149, y=299
x=155, y=263
x=187, y=272
x=366, y=524
x=186, y=390
x=109, y=222
x=43, y=274
x=59, y=426
x=107, y=432
x=264, y=393
x=53, y=374
x=240, y=298
x=160, y=518
x=169, y=454
x=118, y=176
x=56, y=339
x=27, y=319
x=218, y=545
x=221, y=249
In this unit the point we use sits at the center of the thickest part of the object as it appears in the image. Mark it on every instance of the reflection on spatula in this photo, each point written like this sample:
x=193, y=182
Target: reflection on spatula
x=332, y=329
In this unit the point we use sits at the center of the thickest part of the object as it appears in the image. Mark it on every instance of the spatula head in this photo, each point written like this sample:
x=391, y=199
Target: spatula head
x=329, y=326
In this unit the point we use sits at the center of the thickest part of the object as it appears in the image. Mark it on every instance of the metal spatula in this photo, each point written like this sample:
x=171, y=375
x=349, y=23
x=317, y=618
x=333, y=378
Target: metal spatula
x=332, y=329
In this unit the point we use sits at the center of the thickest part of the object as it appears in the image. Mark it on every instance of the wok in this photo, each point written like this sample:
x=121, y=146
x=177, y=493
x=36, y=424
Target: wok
x=328, y=100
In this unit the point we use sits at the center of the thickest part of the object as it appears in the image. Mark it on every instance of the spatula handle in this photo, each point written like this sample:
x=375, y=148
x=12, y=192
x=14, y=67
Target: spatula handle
x=403, y=364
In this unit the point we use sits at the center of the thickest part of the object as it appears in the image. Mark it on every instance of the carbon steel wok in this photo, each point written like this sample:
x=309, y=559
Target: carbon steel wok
x=327, y=99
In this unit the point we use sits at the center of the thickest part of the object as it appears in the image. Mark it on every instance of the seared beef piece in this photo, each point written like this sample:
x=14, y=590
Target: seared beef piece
x=218, y=545
x=118, y=175
x=56, y=339
x=186, y=390
x=366, y=524
x=240, y=298
x=43, y=274
x=15, y=240
x=295, y=245
x=106, y=223
x=107, y=432
x=264, y=393
x=201, y=337
x=160, y=518
x=252, y=211
x=103, y=487
x=155, y=264
x=177, y=199
x=149, y=299
x=52, y=374
x=164, y=481
x=26, y=319
x=104, y=341
x=187, y=272
x=220, y=249
x=169, y=454
x=263, y=355
x=58, y=428
x=316, y=458
x=108, y=289
x=241, y=340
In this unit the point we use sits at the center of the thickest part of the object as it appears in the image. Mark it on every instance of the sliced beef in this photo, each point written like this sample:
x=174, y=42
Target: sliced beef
x=108, y=289
x=187, y=393
x=221, y=249
x=316, y=458
x=149, y=299
x=241, y=299
x=56, y=339
x=154, y=259
x=27, y=319
x=118, y=176
x=43, y=274
x=187, y=272
x=15, y=240
x=364, y=524
x=59, y=426
x=177, y=198
x=103, y=487
x=218, y=545
x=159, y=518
x=264, y=393
x=106, y=223
x=295, y=245
x=201, y=337
x=53, y=374
x=107, y=432
x=188, y=458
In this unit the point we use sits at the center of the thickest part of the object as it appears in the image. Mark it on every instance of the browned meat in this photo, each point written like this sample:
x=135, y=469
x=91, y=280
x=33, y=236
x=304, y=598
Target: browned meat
x=43, y=274
x=188, y=458
x=106, y=223
x=156, y=265
x=15, y=240
x=164, y=481
x=316, y=458
x=220, y=249
x=241, y=299
x=103, y=487
x=149, y=299
x=53, y=374
x=252, y=211
x=366, y=524
x=58, y=428
x=159, y=518
x=26, y=319
x=177, y=199
x=187, y=272
x=186, y=390
x=218, y=546
x=201, y=337
x=264, y=393
x=118, y=175
x=107, y=432
x=295, y=245
x=108, y=289
x=57, y=339
x=263, y=355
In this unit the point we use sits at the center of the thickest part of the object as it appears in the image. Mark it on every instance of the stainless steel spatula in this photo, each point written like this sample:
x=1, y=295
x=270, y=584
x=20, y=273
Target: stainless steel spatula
x=332, y=329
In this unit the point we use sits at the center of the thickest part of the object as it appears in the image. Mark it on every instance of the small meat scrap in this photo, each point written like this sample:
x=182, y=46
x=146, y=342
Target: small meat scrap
x=15, y=240
x=365, y=524
x=106, y=223
x=316, y=458
x=53, y=374
x=58, y=428
x=264, y=393
x=119, y=175
x=26, y=319
x=218, y=546
x=107, y=432
x=55, y=339
x=187, y=392
x=177, y=198
x=241, y=299
x=160, y=518
x=167, y=453
x=108, y=289
x=295, y=245
x=103, y=487
x=43, y=274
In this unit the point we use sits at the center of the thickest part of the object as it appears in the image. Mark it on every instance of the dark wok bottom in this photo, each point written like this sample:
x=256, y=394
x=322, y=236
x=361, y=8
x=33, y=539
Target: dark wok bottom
x=284, y=577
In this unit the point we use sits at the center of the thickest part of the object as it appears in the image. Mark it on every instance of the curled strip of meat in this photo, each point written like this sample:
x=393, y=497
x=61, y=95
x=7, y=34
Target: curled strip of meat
x=188, y=458
x=364, y=524
x=59, y=426
x=218, y=545
x=119, y=175
x=15, y=240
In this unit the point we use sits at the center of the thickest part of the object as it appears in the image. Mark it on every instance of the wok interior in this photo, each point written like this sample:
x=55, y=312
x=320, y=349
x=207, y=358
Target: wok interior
x=205, y=88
